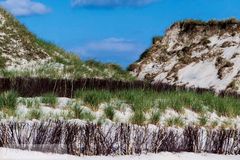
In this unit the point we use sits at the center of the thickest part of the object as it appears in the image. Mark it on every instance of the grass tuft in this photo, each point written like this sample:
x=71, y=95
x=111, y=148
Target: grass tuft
x=8, y=100
x=138, y=118
x=80, y=113
x=93, y=97
x=35, y=113
x=77, y=111
x=144, y=100
x=49, y=99
x=155, y=117
x=175, y=121
x=214, y=124
x=203, y=120
x=109, y=112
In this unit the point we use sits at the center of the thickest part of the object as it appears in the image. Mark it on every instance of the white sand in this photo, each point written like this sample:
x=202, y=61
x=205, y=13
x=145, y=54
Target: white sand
x=13, y=154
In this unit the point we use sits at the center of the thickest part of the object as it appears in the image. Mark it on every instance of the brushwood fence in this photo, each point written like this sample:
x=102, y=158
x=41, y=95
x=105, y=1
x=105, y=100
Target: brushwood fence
x=119, y=139
x=30, y=87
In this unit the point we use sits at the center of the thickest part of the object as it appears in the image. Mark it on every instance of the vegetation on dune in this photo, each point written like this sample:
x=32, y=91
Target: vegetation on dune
x=77, y=111
x=138, y=117
x=156, y=39
x=58, y=62
x=2, y=62
x=30, y=102
x=63, y=64
x=76, y=68
x=71, y=69
x=8, y=100
x=155, y=117
x=109, y=112
x=35, y=113
x=88, y=116
x=146, y=106
x=80, y=113
x=49, y=99
x=144, y=100
x=20, y=33
x=190, y=24
x=214, y=124
x=175, y=121
x=203, y=120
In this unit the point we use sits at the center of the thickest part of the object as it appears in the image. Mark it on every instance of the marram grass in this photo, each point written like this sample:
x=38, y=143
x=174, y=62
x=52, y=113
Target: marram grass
x=140, y=101
x=144, y=100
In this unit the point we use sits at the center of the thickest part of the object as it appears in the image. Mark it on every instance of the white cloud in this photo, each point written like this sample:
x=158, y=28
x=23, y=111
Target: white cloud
x=115, y=45
x=111, y=50
x=24, y=7
x=111, y=3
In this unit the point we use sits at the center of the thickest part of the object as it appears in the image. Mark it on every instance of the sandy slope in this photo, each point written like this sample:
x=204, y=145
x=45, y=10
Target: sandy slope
x=12, y=154
x=202, y=55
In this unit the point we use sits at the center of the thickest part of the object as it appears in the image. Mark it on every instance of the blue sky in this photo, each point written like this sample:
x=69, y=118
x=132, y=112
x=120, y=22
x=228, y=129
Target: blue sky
x=115, y=31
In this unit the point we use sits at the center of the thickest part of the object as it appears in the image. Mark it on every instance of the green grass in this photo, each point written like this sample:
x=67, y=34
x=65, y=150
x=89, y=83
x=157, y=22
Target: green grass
x=214, y=124
x=80, y=113
x=30, y=102
x=138, y=118
x=155, y=117
x=93, y=97
x=49, y=99
x=36, y=48
x=35, y=113
x=203, y=120
x=77, y=111
x=140, y=101
x=109, y=112
x=8, y=100
x=175, y=121
x=88, y=116
x=144, y=100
